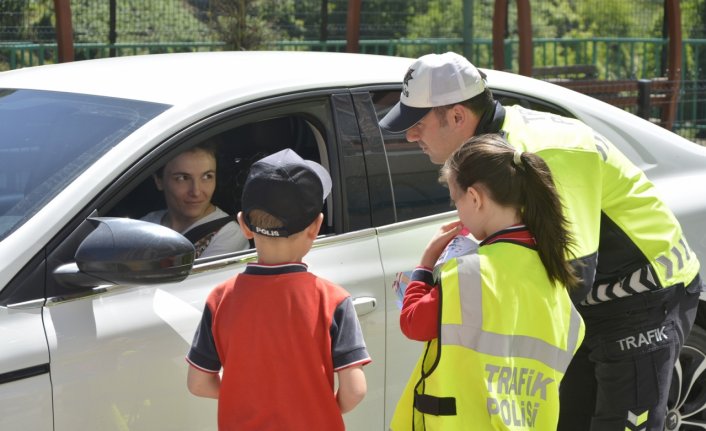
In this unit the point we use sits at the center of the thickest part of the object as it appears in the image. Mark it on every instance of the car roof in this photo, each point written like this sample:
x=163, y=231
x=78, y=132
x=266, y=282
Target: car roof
x=191, y=79
x=184, y=78
x=196, y=84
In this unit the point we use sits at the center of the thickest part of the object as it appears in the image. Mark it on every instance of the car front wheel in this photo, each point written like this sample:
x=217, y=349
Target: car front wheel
x=687, y=394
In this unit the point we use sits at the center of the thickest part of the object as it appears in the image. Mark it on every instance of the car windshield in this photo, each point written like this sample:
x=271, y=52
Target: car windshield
x=49, y=138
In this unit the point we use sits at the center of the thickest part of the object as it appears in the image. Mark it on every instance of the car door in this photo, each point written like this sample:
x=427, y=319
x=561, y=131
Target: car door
x=117, y=351
x=418, y=205
x=25, y=386
x=48, y=140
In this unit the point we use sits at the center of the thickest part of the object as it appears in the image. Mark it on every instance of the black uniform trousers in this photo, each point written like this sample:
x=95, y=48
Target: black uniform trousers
x=620, y=377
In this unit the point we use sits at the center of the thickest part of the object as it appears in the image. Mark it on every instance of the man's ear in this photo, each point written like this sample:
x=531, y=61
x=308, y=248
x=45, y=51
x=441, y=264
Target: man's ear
x=247, y=233
x=313, y=230
x=465, y=120
x=460, y=115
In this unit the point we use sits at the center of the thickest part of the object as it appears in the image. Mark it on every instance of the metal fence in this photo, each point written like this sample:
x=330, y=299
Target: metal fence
x=138, y=21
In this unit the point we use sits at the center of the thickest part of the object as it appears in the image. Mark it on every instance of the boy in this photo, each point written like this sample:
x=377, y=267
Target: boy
x=279, y=332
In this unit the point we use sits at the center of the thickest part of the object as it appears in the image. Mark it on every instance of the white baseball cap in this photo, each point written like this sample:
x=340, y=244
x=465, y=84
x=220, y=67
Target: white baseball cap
x=433, y=80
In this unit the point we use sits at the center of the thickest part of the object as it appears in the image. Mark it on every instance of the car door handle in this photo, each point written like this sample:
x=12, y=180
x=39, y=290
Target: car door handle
x=364, y=305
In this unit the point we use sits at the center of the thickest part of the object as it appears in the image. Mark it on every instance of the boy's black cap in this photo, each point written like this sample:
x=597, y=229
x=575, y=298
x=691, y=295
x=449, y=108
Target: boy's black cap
x=287, y=187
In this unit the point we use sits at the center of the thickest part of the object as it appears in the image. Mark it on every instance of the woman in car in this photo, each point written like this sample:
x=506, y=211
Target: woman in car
x=188, y=182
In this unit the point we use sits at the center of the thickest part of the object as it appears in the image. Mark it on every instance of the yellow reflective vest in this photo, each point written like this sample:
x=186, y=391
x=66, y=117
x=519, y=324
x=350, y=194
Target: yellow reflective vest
x=613, y=208
x=506, y=337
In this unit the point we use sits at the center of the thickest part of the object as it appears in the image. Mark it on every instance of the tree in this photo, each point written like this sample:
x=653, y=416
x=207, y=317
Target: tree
x=138, y=22
x=249, y=24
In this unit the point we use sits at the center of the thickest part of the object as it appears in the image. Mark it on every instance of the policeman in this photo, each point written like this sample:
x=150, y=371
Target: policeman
x=640, y=278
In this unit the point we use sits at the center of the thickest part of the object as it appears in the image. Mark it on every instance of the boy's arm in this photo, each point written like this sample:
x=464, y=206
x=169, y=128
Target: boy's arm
x=349, y=355
x=352, y=388
x=203, y=384
x=203, y=377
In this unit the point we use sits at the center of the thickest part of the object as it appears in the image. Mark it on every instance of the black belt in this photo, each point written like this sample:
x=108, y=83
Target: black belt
x=437, y=406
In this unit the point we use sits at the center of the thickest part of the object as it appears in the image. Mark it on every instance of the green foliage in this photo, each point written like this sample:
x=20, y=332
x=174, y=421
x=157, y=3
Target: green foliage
x=250, y=24
x=10, y=22
x=442, y=19
x=589, y=25
x=138, y=21
x=555, y=18
x=601, y=18
x=23, y=20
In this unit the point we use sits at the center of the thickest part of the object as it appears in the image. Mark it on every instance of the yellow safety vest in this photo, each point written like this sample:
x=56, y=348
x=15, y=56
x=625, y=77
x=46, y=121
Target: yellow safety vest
x=599, y=185
x=506, y=337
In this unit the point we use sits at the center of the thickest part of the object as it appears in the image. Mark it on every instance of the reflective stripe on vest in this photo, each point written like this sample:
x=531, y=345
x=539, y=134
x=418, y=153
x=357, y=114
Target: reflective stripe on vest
x=501, y=370
x=500, y=344
x=592, y=176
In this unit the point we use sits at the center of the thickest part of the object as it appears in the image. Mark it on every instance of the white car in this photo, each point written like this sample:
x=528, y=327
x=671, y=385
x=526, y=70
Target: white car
x=97, y=309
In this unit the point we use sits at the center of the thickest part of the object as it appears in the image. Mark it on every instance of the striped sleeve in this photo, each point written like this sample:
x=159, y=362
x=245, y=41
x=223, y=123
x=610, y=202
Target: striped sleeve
x=347, y=343
x=203, y=354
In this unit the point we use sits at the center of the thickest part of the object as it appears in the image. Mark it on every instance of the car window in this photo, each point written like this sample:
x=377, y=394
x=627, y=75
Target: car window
x=49, y=138
x=235, y=149
x=508, y=99
x=416, y=189
x=414, y=178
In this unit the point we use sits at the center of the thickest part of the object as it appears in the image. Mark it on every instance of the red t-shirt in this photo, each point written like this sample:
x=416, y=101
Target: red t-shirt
x=279, y=333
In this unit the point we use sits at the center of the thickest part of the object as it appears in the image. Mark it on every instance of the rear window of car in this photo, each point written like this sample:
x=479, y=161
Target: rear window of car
x=49, y=138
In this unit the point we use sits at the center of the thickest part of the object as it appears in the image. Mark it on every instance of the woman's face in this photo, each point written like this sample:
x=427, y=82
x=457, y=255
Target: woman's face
x=188, y=183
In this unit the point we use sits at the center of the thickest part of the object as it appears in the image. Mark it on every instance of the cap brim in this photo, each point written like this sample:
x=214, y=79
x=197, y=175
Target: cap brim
x=401, y=117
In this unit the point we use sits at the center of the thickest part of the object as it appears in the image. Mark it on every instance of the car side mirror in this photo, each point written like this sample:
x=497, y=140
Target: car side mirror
x=128, y=251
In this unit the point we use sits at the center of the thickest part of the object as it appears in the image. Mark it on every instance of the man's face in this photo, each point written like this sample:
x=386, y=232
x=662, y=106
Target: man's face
x=437, y=134
x=188, y=182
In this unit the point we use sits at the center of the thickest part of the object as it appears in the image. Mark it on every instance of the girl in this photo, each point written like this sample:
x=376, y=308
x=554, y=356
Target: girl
x=499, y=324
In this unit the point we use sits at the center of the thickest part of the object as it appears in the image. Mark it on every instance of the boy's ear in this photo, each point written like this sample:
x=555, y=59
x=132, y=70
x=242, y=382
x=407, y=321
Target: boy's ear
x=313, y=230
x=247, y=233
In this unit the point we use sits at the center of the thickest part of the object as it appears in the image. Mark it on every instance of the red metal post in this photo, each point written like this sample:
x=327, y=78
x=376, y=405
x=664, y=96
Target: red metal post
x=524, y=27
x=64, y=30
x=499, y=30
x=353, y=26
x=673, y=17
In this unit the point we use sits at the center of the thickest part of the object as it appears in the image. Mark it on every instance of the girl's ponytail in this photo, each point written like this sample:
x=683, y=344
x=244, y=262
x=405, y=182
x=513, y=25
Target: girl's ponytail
x=543, y=214
x=521, y=180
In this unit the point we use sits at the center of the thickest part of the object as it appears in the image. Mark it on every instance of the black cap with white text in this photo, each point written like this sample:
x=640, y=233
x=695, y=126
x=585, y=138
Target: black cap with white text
x=287, y=187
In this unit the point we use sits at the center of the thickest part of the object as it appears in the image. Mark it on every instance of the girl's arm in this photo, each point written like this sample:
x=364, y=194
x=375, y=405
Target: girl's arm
x=419, y=319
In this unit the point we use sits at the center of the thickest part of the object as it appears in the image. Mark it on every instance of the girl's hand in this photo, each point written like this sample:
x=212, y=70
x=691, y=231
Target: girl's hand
x=438, y=243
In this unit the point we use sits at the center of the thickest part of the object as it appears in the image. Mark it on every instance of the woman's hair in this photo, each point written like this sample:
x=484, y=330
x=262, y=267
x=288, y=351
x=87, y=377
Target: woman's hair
x=523, y=181
x=209, y=147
